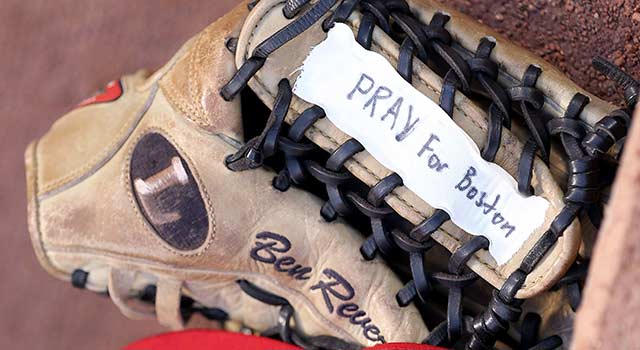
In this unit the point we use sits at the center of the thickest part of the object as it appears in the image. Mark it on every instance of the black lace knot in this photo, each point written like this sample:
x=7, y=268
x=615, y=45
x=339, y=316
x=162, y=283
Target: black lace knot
x=79, y=278
x=607, y=132
x=584, y=182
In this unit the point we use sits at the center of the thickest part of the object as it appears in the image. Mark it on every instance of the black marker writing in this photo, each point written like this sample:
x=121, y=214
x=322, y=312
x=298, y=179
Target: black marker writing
x=433, y=161
x=267, y=246
x=382, y=101
x=337, y=291
x=335, y=286
x=471, y=192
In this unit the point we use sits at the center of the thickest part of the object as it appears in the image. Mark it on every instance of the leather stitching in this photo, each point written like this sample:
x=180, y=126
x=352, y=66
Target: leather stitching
x=185, y=106
x=194, y=88
x=108, y=152
x=253, y=32
x=96, y=159
x=36, y=214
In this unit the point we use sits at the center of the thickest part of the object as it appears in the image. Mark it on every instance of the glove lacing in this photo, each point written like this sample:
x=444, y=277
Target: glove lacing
x=431, y=43
x=585, y=146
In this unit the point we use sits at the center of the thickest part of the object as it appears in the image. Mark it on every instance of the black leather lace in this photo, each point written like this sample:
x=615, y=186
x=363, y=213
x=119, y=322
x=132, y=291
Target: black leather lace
x=284, y=329
x=188, y=306
x=585, y=148
x=590, y=168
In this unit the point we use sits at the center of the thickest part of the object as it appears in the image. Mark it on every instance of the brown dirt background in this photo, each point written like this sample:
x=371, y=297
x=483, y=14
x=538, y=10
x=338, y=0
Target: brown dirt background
x=569, y=33
x=55, y=53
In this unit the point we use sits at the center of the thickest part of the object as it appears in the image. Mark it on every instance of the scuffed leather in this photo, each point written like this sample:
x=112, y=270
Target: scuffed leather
x=83, y=214
x=193, y=88
x=266, y=18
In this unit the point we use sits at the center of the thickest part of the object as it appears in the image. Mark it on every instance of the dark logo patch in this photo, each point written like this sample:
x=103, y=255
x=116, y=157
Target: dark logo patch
x=167, y=193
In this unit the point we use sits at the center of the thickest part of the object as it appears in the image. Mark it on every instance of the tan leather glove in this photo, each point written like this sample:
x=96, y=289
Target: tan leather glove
x=155, y=187
x=131, y=190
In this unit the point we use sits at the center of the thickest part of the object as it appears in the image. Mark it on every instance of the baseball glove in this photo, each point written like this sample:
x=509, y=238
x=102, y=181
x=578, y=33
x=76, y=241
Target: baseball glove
x=426, y=142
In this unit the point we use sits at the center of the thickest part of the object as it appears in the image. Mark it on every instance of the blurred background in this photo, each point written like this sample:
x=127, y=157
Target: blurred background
x=53, y=54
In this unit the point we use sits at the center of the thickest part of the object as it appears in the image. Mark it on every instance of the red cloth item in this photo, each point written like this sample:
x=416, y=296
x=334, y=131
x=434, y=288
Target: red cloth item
x=111, y=92
x=202, y=339
x=404, y=346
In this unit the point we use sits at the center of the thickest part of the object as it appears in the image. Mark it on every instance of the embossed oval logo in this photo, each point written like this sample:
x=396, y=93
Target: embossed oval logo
x=167, y=193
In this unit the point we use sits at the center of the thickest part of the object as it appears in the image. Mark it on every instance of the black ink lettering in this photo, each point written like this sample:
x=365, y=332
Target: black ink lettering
x=466, y=180
x=281, y=263
x=353, y=313
x=296, y=270
x=331, y=288
x=382, y=92
x=299, y=272
x=269, y=248
x=347, y=307
x=497, y=219
x=266, y=253
x=335, y=288
x=408, y=126
x=434, y=163
x=488, y=208
x=472, y=192
x=508, y=226
x=427, y=146
x=359, y=88
x=394, y=110
x=465, y=185
x=363, y=321
x=372, y=333
x=480, y=202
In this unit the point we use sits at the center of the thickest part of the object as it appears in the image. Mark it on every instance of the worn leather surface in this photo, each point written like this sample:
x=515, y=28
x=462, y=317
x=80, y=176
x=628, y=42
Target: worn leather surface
x=610, y=316
x=87, y=152
x=267, y=18
x=83, y=211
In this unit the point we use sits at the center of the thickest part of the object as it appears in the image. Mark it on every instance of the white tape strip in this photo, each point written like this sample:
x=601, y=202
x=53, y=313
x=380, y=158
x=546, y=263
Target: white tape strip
x=410, y=134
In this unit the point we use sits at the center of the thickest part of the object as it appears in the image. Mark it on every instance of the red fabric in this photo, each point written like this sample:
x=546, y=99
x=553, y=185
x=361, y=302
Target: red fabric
x=404, y=346
x=111, y=92
x=202, y=339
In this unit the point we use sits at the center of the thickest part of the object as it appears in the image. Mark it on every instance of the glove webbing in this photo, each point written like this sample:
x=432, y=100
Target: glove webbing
x=432, y=44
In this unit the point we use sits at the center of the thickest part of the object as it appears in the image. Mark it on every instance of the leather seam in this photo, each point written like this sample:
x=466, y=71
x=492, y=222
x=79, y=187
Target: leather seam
x=184, y=107
x=37, y=208
x=193, y=88
x=262, y=18
x=93, y=161
x=109, y=152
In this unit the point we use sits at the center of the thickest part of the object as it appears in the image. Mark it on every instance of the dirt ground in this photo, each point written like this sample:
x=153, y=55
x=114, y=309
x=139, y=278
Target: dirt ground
x=54, y=54
x=569, y=33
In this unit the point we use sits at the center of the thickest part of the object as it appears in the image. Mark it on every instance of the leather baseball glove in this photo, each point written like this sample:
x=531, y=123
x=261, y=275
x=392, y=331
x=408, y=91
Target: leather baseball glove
x=441, y=158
